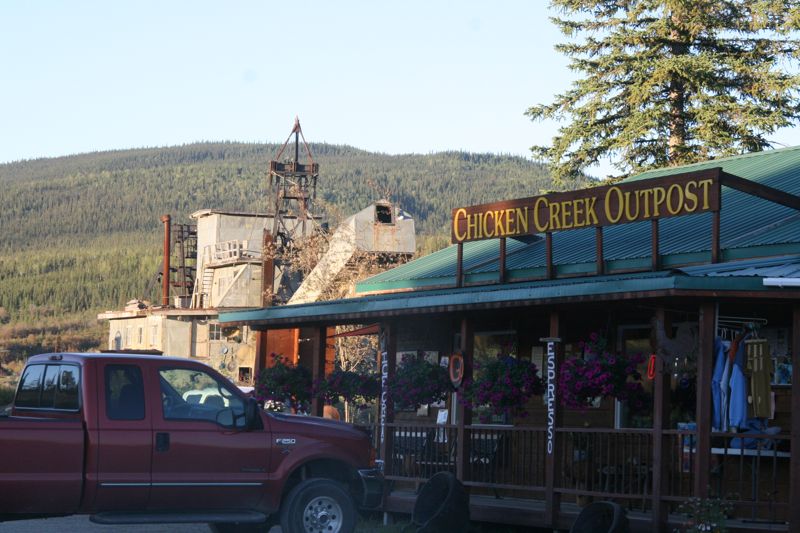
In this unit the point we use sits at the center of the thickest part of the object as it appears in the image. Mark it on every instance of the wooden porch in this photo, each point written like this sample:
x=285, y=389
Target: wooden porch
x=504, y=471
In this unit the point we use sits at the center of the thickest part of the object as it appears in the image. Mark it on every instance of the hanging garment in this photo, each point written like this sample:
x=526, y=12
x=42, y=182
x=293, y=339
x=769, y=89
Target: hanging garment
x=725, y=393
x=716, y=384
x=759, y=366
x=737, y=412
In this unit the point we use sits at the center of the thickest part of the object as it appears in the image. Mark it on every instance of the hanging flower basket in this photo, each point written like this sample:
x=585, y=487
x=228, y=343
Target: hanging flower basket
x=418, y=382
x=506, y=385
x=352, y=387
x=599, y=374
x=284, y=386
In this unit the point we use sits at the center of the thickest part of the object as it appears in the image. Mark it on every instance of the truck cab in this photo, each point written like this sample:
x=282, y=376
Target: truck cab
x=140, y=439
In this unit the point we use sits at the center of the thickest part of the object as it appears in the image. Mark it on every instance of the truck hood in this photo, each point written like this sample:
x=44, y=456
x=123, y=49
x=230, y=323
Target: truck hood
x=316, y=424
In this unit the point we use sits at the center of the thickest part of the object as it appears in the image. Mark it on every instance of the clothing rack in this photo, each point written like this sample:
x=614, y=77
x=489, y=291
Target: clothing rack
x=728, y=327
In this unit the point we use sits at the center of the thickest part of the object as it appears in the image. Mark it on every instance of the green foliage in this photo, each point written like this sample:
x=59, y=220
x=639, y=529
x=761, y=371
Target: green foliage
x=54, y=281
x=418, y=382
x=356, y=388
x=665, y=83
x=283, y=384
x=6, y=396
x=705, y=515
x=81, y=234
x=64, y=201
x=506, y=384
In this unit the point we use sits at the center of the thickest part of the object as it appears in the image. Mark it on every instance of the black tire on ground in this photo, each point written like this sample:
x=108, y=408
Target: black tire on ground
x=442, y=505
x=601, y=517
x=318, y=505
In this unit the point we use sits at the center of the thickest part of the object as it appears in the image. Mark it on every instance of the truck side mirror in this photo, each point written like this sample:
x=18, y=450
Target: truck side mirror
x=251, y=417
x=226, y=418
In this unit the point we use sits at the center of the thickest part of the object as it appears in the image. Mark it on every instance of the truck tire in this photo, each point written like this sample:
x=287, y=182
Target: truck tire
x=318, y=505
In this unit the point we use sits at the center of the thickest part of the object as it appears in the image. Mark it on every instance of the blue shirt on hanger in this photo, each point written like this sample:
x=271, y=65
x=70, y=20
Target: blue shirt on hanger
x=738, y=397
x=716, y=384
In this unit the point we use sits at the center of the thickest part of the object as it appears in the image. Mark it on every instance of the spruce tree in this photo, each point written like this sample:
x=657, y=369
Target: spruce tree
x=669, y=82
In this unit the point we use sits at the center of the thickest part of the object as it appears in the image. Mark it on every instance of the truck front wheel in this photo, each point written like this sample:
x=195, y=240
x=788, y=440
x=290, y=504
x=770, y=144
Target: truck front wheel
x=318, y=505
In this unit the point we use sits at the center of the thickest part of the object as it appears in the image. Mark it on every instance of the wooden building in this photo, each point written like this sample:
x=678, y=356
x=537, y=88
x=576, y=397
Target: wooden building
x=672, y=263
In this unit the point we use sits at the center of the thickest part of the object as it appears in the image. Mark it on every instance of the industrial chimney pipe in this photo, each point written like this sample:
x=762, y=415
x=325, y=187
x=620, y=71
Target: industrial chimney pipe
x=166, y=219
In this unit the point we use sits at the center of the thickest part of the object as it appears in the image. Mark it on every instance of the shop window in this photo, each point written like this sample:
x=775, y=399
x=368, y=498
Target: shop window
x=214, y=332
x=636, y=340
x=245, y=374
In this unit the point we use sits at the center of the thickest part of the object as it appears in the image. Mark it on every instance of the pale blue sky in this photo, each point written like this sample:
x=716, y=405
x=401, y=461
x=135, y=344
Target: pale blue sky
x=394, y=77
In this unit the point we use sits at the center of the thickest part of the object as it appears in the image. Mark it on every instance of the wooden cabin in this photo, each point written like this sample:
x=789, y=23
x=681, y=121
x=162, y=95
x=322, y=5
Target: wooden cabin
x=671, y=264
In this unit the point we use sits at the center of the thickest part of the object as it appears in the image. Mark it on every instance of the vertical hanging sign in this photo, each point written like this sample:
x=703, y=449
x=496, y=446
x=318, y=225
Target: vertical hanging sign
x=384, y=378
x=550, y=392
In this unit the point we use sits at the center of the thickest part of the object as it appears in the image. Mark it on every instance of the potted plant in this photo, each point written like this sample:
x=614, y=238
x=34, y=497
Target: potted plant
x=705, y=515
x=506, y=385
x=417, y=382
x=283, y=386
x=599, y=373
x=352, y=387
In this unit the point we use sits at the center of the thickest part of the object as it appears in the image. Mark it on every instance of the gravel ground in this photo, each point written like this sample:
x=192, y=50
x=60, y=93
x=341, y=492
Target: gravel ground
x=79, y=524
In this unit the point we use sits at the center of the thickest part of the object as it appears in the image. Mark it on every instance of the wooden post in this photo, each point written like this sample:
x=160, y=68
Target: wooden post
x=715, y=228
x=548, y=252
x=387, y=340
x=554, y=457
x=460, y=265
x=660, y=441
x=261, y=353
x=655, y=262
x=794, y=466
x=319, y=340
x=502, y=265
x=463, y=413
x=705, y=368
x=598, y=242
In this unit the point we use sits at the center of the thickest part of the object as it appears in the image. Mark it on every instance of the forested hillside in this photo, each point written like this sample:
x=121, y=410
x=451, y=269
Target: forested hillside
x=80, y=234
x=69, y=199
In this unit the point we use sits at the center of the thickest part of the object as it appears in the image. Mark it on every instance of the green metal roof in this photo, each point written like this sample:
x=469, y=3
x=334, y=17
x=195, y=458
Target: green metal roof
x=719, y=278
x=750, y=227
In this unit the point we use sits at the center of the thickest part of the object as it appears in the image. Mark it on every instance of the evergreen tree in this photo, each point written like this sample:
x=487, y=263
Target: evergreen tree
x=669, y=82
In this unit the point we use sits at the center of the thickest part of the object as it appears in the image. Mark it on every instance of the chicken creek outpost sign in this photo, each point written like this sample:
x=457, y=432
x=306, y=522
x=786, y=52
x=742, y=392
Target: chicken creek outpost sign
x=651, y=199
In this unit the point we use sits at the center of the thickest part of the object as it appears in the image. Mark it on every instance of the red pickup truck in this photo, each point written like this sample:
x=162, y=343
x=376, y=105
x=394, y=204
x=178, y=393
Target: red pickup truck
x=135, y=439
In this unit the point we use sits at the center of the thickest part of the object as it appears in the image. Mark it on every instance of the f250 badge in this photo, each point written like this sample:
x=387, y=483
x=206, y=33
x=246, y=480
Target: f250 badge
x=285, y=443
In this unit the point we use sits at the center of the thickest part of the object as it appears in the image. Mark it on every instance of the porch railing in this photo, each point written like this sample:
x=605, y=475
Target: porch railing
x=750, y=471
x=496, y=457
x=605, y=464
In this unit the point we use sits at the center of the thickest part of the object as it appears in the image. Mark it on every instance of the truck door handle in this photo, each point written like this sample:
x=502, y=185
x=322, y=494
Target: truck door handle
x=162, y=442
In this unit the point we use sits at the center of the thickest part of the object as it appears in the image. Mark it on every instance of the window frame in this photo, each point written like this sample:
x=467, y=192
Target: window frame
x=58, y=387
x=223, y=383
x=107, y=393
